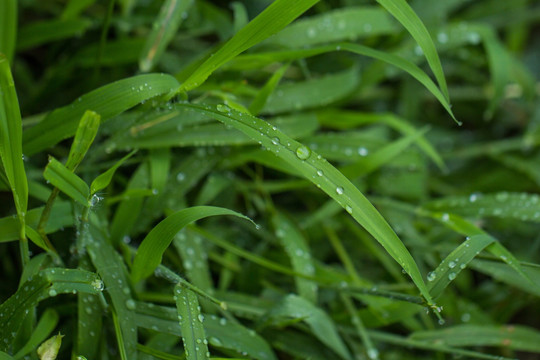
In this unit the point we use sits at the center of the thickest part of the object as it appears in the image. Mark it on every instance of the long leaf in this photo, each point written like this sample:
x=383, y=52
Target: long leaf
x=108, y=101
x=11, y=142
x=8, y=28
x=149, y=254
x=321, y=173
x=67, y=182
x=274, y=18
x=191, y=321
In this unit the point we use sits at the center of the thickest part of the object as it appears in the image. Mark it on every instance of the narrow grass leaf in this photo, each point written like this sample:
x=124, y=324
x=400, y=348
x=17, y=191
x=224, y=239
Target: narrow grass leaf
x=262, y=59
x=8, y=28
x=5, y=356
x=328, y=178
x=153, y=246
x=47, y=283
x=517, y=337
x=298, y=252
x=424, y=345
x=322, y=326
x=312, y=93
x=456, y=261
x=194, y=259
x=11, y=142
x=222, y=333
x=47, y=323
x=104, y=179
x=505, y=205
x=108, y=101
x=348, y=23
x=348, y=119
x=258, y=103
x=163, y=29
x=74, y=8
x=112, y=270
x=191, y=322
x=84, y=137
x=274, y=18
x=402, y=11
x=67, y=182
x=44, y=32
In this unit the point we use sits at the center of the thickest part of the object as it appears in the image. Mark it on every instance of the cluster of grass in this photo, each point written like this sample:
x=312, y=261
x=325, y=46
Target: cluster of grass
x=263, y=179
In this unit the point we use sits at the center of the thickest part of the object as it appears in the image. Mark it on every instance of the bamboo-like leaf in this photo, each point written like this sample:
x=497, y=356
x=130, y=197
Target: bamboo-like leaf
x=328, y=178
x=164, y=28
x=191, y=322
x=108, y=101
x=104, y=179
x=402, y=11
x=274, y=18
x=67, y=182
x=149, y=254
x=8, y=28
x=84, y=137
x=11, y=142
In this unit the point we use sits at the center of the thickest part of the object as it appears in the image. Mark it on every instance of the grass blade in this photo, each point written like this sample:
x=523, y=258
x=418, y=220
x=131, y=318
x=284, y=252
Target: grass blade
x=328, y=178
x=47, y=323
x=163, y=29
x=11, y=143
x=274, y=18
x=520, y=338
x=84, y=137
x=323, y=328
x=67, y=182
x=153, y=246
x=191, y=322
x=408, y=18
x=104, y=179
x=108, y=101
x=456, y=261
x=8, y=28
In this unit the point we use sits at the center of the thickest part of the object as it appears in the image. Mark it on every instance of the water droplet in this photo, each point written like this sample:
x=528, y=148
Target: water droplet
x=445, y=217
x=442, y=37
x=275, y=140
x=348, y=209
x=223, y=108
x=339, y=190
x=52, y=292
x=130, y=304
x=98, y=285
x=311, y=32
x=320, y=173
x=466, y=317
x=473, y=197
x=451, y=276
x=362, y=151
x=431, y=276
x=373, y=354
x=180, y=177
x=368, y=28
x=200, y=317
x=451, y=264
x=303, y=152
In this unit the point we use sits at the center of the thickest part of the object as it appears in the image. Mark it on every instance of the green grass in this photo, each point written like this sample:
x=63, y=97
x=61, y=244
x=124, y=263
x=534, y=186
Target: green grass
x=384, y=154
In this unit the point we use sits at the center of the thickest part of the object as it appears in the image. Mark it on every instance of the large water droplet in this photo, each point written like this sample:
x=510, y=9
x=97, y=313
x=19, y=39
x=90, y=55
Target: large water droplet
x=339, y=190
x=452, y=276
x=431, y=276
x=348, y=209
x=98, y=284
x=223, y=108
x=303, y=152
x=52, y=293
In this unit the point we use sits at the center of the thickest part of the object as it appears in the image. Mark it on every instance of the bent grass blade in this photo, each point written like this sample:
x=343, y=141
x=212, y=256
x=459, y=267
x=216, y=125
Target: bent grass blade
x=321, y=173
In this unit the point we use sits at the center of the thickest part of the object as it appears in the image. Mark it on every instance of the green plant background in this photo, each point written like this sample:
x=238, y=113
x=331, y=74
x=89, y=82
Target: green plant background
x=339, y=179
